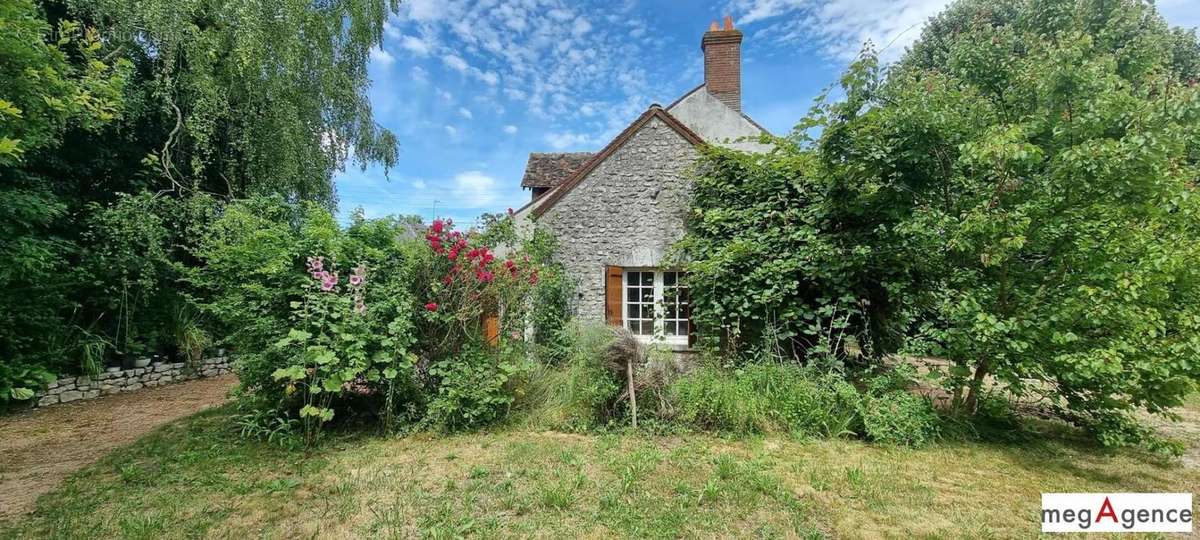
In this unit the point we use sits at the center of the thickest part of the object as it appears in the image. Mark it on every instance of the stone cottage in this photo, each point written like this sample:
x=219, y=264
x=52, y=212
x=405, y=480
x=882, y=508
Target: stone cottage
x=616, y=212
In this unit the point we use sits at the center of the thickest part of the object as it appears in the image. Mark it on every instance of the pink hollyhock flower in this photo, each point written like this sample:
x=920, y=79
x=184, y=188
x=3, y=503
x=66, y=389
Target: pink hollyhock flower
x=431, y=306
x=510, y=211
x=356, y=280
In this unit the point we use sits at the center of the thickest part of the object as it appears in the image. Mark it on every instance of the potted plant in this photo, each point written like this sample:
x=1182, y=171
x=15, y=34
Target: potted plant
x=190, y=337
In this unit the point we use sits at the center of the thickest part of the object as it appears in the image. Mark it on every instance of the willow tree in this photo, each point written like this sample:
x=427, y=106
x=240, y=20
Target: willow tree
x=1034, y=163
x=247, y=96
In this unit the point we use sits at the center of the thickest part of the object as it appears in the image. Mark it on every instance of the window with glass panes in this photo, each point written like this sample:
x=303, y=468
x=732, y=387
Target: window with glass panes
x=656, y=303
x=675, y=305
x=639, y=302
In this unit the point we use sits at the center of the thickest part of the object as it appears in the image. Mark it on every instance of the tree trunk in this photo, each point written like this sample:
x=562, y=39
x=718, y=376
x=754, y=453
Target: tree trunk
x=972, y=403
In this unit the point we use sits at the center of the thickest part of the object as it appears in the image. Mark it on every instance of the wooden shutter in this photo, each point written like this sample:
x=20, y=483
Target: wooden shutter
x=490, y=320
x=612, y=294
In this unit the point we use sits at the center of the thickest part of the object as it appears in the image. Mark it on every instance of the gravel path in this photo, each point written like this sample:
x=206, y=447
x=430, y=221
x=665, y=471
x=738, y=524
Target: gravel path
x=40, y=448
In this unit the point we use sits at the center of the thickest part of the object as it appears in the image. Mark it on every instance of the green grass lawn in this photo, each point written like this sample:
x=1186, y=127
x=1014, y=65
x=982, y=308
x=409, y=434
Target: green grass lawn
x=197, y=478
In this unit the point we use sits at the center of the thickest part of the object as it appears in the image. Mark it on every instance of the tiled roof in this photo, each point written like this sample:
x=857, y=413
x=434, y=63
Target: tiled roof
x=551, y=169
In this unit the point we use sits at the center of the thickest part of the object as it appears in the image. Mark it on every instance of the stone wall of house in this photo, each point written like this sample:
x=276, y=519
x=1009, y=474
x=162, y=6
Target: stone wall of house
x=627, y=212
x=115, y=381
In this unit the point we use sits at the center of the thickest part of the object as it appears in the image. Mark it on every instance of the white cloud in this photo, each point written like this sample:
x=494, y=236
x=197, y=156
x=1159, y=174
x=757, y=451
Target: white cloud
x=839, y=27
x=489, y=77
x=473, y=189
x=581, y=27
x=451, y=130
x=567, y=64
x=510, y=129
x=381, y=57
x=390, y=30
x=560, y=15
x=567, y=139
x=455, y=62
x=418, y=184
x=426, y=10
x=415, y=45
x=465, y=113
x=419, y=74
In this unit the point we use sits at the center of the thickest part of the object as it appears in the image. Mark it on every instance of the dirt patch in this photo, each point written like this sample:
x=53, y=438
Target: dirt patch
x=40, y=448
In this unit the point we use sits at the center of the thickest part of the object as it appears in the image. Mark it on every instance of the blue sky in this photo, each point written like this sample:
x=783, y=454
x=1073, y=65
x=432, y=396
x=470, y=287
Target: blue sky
x=470, y=88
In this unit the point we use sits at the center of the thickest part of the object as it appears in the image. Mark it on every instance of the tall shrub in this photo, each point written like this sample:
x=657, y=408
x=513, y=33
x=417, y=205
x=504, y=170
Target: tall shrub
x=777, y=266
x=1034, y=166
x=381, y=318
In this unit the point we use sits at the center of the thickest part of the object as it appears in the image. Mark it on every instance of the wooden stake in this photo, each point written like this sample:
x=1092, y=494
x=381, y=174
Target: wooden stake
x=632, y=396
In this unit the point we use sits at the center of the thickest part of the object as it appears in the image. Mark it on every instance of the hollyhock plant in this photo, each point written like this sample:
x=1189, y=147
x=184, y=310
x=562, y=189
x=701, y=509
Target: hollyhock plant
x=327, y=343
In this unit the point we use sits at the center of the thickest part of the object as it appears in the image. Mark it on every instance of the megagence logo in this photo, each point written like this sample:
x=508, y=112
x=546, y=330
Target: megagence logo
x=1117, y=512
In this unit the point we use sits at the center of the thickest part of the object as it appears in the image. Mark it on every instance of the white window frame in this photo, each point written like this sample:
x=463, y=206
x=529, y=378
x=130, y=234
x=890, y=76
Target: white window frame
x=659, y=334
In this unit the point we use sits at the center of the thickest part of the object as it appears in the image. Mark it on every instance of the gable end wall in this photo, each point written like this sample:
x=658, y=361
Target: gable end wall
x=626, y=212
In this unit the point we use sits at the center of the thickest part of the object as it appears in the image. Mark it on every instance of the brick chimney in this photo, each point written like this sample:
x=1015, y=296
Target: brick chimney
x=722, y=48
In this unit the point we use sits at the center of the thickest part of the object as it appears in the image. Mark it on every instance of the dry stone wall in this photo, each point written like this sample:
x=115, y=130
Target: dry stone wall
x=115, y=380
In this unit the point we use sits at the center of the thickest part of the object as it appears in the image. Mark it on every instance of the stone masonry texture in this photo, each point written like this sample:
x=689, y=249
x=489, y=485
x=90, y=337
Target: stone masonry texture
x=627, y=212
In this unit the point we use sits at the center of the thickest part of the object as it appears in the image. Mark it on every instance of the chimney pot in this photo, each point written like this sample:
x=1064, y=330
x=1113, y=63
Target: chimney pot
x=728, y=22
x=713, y=27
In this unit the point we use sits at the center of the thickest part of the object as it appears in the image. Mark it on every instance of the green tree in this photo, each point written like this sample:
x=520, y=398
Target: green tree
x=51, y=79
x=247, y=97
x=118, y=120
x=1034, y=165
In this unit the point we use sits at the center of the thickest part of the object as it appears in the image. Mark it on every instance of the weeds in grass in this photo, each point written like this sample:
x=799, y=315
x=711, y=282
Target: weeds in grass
x=201, y=478
x=560, y=494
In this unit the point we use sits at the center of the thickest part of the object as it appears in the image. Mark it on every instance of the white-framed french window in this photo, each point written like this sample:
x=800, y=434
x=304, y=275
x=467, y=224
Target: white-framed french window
x=655, y=305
